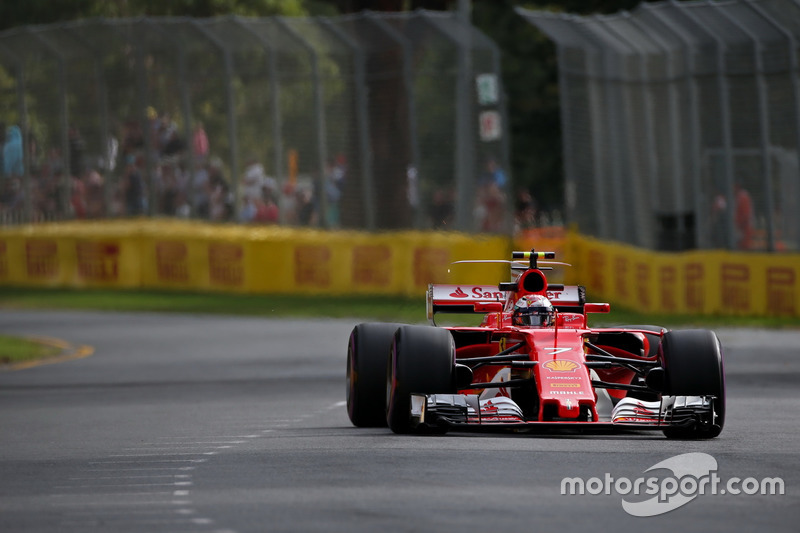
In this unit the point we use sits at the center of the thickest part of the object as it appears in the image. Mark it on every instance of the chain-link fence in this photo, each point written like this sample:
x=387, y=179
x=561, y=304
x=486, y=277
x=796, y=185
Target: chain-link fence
x=373, y=121
x=681, y=123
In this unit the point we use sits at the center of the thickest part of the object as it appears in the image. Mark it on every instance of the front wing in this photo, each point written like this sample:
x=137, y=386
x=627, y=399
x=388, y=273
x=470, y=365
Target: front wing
x=462, y=410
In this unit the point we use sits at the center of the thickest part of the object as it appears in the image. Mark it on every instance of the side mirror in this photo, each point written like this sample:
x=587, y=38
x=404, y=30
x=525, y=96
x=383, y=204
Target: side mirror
x=597, y=308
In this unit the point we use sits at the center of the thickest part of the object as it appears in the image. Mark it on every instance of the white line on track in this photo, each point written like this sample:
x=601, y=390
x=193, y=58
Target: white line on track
x=151, y=476
x=159, y=454
x=148, y=461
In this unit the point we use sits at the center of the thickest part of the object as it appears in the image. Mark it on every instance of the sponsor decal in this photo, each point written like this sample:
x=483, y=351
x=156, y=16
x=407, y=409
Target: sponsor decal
x=575, y=385
x=561, y=365
x=225, y=263
x=643, y=284
x=781, y=287
x=430, y=265
x=622, y=277
x=695, y=276
x=597, y=259
x=735, y=281
x=312, y=266
x=172, y=261
x=565, y=392
x=458, y=293
x=673, y=483
x=668, y=277
x=98, y=261
x=478, y=292
x=41, y=258
x=372, y=265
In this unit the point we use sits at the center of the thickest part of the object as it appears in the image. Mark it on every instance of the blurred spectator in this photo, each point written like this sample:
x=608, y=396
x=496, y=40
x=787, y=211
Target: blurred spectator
x=306, y=211
x=495, y=174
x=744, y=218
x=77, y=152
x=133, y=188
x=267, y=211
x=201, y=190
x=200, y=145
x=525, y=211
x=78, y=197
x=220, y=200
x=12, y=153
x=442, y=209
x=95, y=195
x=255, y=179
x=334, y=182
x=490, y=209
x=247, y=212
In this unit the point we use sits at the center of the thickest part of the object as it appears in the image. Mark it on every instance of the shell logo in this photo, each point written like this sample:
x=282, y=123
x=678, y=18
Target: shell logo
x=561, y=365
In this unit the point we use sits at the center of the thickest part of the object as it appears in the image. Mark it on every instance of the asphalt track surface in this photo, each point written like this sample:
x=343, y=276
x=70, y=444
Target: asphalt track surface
x=220, y=424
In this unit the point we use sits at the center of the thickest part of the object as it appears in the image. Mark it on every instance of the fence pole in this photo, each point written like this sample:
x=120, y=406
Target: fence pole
x=274, y=90
x=763, y=122
x=230, y=104
x=794, y=67
x=63, y=112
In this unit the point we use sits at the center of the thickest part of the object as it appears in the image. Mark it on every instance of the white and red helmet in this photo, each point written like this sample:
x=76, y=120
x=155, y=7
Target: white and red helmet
x=534, y=310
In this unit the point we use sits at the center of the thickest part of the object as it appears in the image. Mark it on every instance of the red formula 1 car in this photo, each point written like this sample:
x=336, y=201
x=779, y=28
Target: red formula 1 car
x=533, y=361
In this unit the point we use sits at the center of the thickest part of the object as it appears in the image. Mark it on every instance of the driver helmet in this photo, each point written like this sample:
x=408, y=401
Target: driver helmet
x=534, y=310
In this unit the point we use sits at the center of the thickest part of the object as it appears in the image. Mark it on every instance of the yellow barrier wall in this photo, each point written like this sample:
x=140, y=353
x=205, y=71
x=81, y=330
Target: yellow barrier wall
x=696, y=282
x=195, y=256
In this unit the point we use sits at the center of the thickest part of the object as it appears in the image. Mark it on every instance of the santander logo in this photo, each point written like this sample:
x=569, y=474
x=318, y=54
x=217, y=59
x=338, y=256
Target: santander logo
x=459, y=293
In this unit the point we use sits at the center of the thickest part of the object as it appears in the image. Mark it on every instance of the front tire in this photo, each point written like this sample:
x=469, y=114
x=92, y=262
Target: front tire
x=422, y=360
x=692, y=361
x=367, y=354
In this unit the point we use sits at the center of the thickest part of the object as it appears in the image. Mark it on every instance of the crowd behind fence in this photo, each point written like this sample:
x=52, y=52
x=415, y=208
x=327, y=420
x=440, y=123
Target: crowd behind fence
x=369, y=121
x=681, y=123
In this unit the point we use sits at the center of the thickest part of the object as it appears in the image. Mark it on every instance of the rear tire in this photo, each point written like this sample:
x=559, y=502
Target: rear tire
x=367, y=354
x=422, y=360
x=692, y=361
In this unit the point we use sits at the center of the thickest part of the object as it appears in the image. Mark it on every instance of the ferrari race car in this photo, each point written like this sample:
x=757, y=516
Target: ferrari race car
x=532, y=362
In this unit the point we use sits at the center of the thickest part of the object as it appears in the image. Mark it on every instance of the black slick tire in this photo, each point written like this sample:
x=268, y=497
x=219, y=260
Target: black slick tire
x=422, y=360
x=367, y=355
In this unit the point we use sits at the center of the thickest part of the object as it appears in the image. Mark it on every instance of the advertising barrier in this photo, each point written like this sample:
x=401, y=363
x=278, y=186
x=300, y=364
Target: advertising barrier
x=180, y=255
x=698, y=282
x=194, y=256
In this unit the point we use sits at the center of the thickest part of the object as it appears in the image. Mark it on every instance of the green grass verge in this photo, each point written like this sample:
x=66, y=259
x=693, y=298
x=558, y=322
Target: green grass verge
x=16, y=350
x=378, y=308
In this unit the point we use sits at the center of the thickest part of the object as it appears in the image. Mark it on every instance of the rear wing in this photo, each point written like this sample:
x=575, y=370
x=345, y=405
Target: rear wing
x=464, y=299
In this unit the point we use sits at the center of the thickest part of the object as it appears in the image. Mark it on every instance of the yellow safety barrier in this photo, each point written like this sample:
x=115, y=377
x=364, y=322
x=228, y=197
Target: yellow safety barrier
x=180, y=255
x=196, y=256
x=697, y=282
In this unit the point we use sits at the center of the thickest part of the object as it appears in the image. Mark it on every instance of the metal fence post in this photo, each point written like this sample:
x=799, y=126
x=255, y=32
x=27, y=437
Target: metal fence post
x=63, y=196
x=763, y=122
x=723, y=89
x=794, y=68
x=701, y=233
x=274, y=89
x=230, y=104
